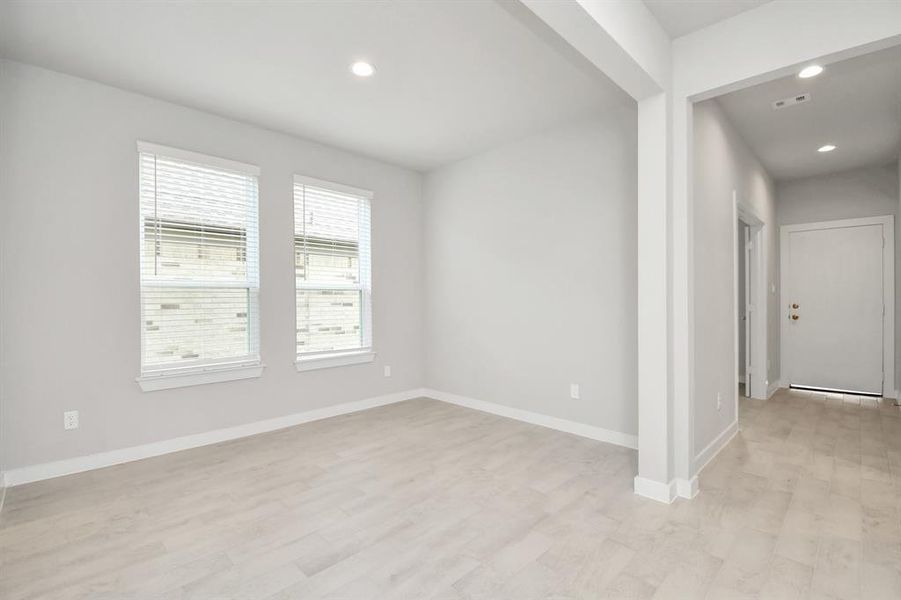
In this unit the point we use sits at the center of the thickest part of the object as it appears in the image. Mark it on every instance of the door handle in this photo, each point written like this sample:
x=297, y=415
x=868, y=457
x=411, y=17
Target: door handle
x=795, y=317
x=795, y=306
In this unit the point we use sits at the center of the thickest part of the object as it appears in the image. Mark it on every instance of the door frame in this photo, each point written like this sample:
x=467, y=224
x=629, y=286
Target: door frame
x=888, y=290
x=745, y=299
x=757, y=277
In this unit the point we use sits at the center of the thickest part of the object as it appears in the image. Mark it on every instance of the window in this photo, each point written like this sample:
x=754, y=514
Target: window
x=332, y=273
x=199, y=267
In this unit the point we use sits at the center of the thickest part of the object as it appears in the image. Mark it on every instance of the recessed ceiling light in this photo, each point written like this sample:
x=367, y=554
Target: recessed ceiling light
x=811, y=71
x=826, y=148
x=362, y=69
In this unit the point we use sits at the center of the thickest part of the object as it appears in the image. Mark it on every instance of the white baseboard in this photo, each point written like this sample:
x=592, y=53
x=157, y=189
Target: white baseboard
x=687, y=488
x=90, y=462
x=713, y=448
x=666, y=492
x=772, y=389
x=588, y=431
x=655, y=490
x=69, y=466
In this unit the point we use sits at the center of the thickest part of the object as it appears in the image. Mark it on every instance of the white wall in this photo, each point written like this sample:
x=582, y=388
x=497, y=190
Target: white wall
x=68, y=240
x=870, y=192
x=851, y=194
x=531, y=273
x=722, y=163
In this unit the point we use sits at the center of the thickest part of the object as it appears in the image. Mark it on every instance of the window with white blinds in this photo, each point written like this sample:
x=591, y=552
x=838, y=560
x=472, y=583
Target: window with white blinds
x=332, y=268
x=199, y=262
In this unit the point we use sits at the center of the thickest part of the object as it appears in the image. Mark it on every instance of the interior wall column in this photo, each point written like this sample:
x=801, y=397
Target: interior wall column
x=655, y=431
x=681, y=275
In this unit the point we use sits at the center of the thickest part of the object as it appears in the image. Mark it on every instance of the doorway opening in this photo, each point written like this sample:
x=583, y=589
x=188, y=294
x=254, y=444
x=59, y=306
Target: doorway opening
x=744, y=321
x=750, y=316
x=815, y=203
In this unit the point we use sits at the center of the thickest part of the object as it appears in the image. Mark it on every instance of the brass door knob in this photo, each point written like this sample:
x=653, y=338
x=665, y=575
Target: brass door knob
x=795, y=306
x=795, y=317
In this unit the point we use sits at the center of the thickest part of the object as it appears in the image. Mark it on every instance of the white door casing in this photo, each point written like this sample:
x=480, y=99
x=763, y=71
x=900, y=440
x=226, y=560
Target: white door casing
x=837, y=305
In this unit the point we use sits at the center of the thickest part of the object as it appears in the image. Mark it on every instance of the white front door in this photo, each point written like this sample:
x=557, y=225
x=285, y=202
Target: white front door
x=834, y=298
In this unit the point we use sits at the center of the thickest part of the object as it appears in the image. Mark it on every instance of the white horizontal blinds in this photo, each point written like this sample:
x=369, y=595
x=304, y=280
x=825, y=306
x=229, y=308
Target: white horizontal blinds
x=199, y=263
x=332, y=267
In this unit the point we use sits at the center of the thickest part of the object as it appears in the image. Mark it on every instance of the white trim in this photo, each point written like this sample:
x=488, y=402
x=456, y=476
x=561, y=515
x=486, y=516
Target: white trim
x=655, y=490
x=687, y=488
x=888, y=289
x=713, y=448
x=327, y=361
x=166, y=381
x=772, y=389
x=331, y=185
x=581, y=429
x=90, y=462
x=198, y=158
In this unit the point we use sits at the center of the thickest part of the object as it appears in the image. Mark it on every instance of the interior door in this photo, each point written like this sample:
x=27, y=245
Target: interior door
x=746, y=257
x=835, y=308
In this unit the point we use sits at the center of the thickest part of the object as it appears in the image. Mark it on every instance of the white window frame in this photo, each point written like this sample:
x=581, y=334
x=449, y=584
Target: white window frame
x=327, y=359
x=202, y=372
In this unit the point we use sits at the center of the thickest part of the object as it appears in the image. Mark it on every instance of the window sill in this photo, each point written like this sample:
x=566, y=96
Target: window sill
x=327, y=361
x=152, y=383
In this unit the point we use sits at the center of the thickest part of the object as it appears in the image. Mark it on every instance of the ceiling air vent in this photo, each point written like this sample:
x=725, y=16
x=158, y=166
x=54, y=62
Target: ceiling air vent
x=791, y=101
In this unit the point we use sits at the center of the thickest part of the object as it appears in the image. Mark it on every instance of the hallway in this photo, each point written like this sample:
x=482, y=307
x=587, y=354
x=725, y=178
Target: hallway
x=812, y=485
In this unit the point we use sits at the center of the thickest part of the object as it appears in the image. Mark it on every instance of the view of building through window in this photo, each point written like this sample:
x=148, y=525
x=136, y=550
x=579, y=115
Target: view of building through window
x=331, y=260
x=199, y=272
x=185, y=249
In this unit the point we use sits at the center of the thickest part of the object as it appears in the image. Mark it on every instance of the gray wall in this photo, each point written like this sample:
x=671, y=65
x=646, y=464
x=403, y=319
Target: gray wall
x=68, y=241
x=869, y=192
x=722, y=163
x=531, y=273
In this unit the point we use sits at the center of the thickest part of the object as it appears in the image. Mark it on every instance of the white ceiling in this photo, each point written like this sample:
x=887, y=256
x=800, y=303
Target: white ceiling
x=680, y=17
x=855, y=104
x=453, y=78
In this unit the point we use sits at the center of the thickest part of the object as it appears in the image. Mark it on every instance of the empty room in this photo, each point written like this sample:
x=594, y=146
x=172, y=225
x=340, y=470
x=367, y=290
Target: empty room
x=489, y=299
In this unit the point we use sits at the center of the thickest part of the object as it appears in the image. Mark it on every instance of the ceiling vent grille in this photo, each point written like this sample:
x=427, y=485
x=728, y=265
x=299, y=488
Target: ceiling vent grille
x=799, y=99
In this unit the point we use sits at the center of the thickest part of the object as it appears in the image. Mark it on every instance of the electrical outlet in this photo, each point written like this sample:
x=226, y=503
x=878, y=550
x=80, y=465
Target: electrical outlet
x=70, y=419
x=387, y=370
x=574, y=391
x=719, y=401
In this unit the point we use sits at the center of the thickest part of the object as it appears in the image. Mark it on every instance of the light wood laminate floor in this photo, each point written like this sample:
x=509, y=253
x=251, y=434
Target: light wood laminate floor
x=427, y=500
